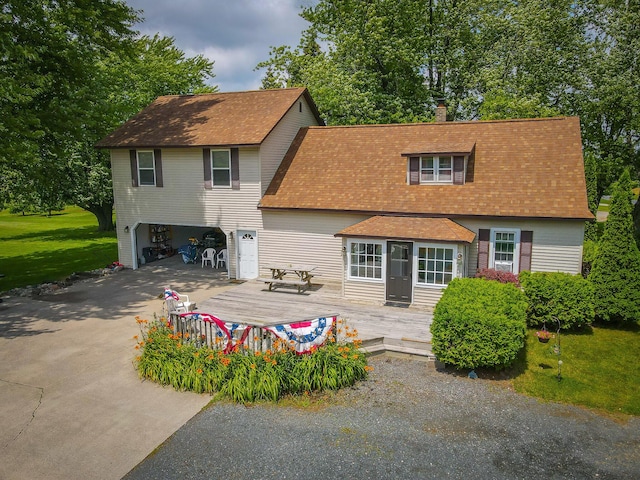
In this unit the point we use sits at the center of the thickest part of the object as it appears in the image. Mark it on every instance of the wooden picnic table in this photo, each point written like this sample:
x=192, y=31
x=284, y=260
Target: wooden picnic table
x=302, y=274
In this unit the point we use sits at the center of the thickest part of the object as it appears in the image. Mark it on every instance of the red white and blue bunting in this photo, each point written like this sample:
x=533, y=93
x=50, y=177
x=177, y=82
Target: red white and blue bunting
x=305, y=336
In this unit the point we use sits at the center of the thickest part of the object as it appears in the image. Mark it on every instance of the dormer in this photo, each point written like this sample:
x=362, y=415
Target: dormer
x=441, y=165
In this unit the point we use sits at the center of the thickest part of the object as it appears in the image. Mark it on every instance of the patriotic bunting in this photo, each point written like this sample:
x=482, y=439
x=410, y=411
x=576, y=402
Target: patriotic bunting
x=307, y=335
x=304, y=336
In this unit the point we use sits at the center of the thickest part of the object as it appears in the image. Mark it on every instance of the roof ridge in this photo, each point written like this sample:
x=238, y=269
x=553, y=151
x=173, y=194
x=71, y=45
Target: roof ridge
x=260, y=90
x=460, y=122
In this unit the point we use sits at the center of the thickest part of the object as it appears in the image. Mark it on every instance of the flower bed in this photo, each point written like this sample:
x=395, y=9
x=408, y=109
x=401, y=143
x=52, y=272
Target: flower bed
x=245, y=376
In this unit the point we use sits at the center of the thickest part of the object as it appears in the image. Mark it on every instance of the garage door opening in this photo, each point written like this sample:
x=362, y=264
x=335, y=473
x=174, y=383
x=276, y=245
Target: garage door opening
x=158, y=241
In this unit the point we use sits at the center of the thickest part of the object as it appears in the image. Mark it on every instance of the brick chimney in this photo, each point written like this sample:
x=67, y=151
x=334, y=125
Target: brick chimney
x=441, y=111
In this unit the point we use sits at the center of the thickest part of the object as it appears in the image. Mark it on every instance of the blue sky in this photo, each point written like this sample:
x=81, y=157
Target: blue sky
x=236, y=34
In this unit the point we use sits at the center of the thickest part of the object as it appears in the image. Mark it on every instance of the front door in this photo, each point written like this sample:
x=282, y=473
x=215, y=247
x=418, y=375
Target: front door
x=247, y=254
x=399, y=266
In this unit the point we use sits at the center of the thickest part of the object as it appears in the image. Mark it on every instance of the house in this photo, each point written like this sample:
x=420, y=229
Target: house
x=390, y=212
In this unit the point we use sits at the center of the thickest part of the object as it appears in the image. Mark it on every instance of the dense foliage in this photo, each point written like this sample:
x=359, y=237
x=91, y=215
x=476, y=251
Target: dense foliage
x=479, y=323
x=615, y=272
x=557, y=296
x=498, y=275
x=71, y=73
x=244, y=376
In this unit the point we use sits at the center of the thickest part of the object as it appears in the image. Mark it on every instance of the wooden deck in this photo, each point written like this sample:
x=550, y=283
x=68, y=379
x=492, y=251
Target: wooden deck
x=382, y=328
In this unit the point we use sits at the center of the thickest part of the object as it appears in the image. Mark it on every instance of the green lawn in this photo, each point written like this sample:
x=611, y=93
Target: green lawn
x=599, y=370
x=37, y=248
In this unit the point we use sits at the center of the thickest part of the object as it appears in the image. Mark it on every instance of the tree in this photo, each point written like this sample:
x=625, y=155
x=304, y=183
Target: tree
x=609, y=103
x=123, y=86
x=71, y=73
x=615, y=272
x=591, y=177
x=49, y=50
x=489, y=58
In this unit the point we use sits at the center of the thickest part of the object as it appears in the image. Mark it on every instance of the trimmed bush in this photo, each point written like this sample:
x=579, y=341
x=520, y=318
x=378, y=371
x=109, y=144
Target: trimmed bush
x=551, y=295
x=498, y=275
x=479, y=323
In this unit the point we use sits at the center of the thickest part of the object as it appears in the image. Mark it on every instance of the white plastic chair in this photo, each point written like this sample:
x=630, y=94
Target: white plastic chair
x=181, y=304
x=209, y=255
x=221, y=258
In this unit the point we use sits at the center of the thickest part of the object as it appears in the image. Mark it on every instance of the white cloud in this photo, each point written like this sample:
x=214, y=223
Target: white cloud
x=236, y=34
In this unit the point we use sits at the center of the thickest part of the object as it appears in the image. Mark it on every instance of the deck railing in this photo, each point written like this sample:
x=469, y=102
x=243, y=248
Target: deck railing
x=194, y=329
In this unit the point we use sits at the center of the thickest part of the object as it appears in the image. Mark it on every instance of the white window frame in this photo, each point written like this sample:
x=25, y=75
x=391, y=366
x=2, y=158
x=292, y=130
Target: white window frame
x=515, y=263
x=219, y=169
x=454, y=263
x=436, y=168
x=380, y=268
x=146, y=169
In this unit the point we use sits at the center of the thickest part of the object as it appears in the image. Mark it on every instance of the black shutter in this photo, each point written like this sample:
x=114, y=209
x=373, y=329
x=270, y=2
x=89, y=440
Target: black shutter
x=133, y=158
x=484, y=237
x=157, y=158
x=235, y=169
x=526, y=244
x=414, y=170
x=458, y=170
x=206, y=161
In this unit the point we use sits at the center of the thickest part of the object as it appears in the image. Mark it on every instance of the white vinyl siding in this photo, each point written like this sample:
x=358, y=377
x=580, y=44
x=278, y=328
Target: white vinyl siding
x=184, y=200
x=557, y=244
x=427, y=297
x=305, y=238
x=365, y=291
x=275, y=146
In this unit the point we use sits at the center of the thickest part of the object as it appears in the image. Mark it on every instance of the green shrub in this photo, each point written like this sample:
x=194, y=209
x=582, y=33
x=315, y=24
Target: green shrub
x=615, y=272
x=243, y=376
x=479, y=323
x=499, y=275
x=556, y=295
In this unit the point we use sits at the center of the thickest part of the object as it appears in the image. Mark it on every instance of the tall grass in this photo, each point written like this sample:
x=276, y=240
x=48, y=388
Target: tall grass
x=36, y=248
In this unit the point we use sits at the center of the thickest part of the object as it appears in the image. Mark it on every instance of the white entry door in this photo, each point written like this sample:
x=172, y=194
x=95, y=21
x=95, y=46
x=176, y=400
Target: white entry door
x=247, y=254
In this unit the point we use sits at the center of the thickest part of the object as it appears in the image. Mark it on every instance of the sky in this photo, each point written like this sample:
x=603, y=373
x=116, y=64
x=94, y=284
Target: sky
x=235, y=34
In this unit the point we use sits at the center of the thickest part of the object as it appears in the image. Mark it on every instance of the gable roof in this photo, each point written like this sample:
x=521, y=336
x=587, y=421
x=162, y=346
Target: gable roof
x=216, y=119
x=519, y=168
x=409, y=228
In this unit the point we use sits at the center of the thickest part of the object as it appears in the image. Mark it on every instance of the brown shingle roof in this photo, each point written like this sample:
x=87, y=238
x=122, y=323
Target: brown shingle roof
x=521, y=168
x=409, y=228
x=240, y=118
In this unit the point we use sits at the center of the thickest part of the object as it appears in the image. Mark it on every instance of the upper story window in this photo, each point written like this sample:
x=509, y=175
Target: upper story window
x=221, y=168
x=365, y=260
x=146, y=167
x=436, y=169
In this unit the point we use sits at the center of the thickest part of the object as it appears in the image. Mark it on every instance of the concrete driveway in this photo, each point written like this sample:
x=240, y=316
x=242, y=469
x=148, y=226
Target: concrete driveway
x=72, y=405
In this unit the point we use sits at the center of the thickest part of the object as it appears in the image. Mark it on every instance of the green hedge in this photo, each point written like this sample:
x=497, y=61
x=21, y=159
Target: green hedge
x=479, y=323
x=551, y=295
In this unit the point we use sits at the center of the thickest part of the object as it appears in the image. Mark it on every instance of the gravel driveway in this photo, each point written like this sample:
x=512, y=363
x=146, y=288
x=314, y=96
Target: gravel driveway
x=408, y=420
